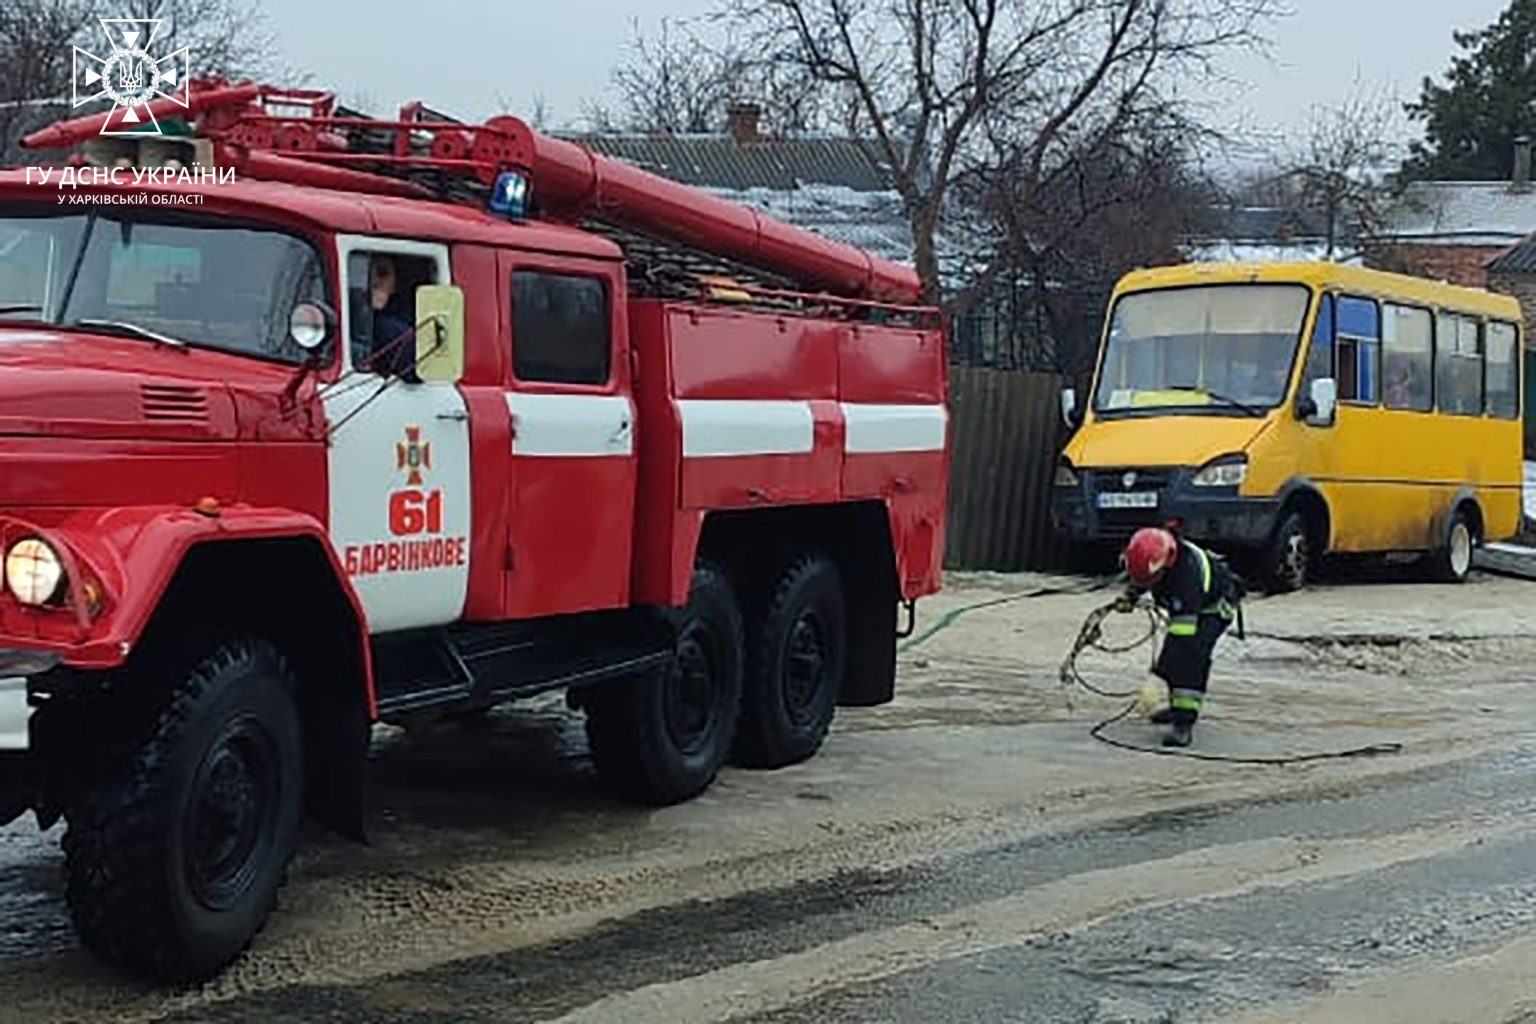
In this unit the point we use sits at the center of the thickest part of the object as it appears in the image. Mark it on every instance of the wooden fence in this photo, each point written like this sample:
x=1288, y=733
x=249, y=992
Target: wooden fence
x=1007, y=432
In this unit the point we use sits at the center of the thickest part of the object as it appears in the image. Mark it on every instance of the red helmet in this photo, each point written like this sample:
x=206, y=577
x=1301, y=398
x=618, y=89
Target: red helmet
x=1149, y=554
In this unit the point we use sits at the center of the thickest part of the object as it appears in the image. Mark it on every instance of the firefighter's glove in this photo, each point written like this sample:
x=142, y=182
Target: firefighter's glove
x=1125, y=603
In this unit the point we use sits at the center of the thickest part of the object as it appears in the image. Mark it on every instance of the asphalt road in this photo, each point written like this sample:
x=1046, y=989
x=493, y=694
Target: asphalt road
x=964, y=855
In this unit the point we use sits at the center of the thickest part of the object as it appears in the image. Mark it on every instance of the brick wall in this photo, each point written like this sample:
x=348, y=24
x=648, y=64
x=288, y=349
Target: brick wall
x=1523, y=288
x=1458, y=264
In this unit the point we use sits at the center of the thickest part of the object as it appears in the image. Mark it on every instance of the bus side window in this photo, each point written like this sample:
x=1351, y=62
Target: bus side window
x=1459, y=365
x=1358, y=341
x=1320, y=354
x=1503, y=381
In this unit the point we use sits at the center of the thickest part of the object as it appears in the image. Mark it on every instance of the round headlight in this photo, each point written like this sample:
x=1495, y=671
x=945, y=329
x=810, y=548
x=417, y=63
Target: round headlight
x=33, y=571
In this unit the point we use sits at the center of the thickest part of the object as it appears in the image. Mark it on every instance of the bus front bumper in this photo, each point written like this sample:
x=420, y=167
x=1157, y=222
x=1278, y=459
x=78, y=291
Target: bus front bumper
x=1215, y=515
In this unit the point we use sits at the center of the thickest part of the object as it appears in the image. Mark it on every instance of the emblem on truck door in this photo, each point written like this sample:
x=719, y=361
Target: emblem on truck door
x=413, y=455
x=415, y=520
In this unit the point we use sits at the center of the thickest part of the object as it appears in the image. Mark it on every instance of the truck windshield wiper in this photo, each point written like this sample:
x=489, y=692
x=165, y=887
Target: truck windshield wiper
x=1224, y=400
x=132, y=330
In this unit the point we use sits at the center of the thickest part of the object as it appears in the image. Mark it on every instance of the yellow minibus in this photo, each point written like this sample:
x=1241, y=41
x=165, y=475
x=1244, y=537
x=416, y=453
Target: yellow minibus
x=1282, y=412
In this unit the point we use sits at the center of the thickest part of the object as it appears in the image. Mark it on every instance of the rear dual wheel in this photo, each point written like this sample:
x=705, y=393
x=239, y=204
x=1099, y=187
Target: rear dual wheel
x=798, y=655
x=662, y=738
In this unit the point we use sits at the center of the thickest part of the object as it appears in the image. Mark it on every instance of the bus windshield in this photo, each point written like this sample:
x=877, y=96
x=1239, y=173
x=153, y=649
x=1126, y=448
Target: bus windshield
x=1224, y=349
x=191, y=281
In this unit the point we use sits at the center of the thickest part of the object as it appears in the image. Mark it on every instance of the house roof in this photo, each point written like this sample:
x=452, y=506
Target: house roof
x=837, y=187
x=1520, y=259
x=719, y=161
x=1472, y=213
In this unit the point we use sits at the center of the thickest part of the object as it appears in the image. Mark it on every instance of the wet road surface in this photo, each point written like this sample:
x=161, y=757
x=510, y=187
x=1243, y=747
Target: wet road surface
x=965, y=853
x=1435, y=865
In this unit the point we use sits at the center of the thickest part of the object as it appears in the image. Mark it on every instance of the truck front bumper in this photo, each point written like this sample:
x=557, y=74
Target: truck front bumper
x=1214, y=515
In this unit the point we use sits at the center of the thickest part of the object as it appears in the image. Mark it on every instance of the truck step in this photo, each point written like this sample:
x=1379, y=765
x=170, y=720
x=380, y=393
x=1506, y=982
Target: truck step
x=505, y=661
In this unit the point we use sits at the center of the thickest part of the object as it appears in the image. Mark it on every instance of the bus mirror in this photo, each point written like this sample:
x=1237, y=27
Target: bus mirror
x=1318, y=406
x=1069, y=407
x=439, y=332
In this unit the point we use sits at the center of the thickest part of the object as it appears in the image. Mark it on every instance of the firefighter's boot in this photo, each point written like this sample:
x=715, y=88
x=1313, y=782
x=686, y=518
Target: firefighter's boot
x=1162, y=716
x=1181, y=734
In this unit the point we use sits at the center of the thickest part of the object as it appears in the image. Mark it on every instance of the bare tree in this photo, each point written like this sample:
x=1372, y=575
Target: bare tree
x=225, y=37
x=678, y=80
x=1123, y=197
x=35, y=63
x=944, y=85
x=1340, y=169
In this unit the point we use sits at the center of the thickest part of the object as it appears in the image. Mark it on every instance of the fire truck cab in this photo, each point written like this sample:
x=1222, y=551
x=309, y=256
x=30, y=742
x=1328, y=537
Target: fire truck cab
x=331, y=444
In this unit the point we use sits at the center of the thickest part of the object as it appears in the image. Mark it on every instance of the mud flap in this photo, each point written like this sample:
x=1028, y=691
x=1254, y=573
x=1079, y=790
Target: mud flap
x=336, y=770
x=17, y=785
x=870, y=676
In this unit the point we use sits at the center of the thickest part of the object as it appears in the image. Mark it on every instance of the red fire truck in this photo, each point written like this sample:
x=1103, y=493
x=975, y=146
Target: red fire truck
x=359, y=419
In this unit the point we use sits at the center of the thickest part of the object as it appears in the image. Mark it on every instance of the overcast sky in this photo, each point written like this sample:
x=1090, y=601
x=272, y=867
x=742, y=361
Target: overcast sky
x=469, y=57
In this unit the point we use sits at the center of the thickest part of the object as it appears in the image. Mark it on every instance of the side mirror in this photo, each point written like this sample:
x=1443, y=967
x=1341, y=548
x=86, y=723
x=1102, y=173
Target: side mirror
x=311, y=325
x=1069, y=412
x=439, y=332
x=1321, y=402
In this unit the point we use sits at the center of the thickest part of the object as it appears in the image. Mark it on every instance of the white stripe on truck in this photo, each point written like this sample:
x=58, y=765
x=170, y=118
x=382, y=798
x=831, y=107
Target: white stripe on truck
x=894, y=428
x=718, y=427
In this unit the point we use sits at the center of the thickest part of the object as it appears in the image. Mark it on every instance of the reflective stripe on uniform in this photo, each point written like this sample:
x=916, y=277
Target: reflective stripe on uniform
x=1221, y=607
x=1183, y=625
x=1205, y=570
x=1186, y=700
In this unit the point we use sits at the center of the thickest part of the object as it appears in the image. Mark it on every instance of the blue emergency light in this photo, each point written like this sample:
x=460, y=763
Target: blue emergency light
x=509, y=196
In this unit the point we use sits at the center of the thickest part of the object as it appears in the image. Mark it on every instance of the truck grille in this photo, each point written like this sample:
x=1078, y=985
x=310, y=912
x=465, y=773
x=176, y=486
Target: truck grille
x=172, y=403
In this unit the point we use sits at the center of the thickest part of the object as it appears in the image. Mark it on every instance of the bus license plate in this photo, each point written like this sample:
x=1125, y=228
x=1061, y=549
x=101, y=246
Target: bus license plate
x=1129, y=499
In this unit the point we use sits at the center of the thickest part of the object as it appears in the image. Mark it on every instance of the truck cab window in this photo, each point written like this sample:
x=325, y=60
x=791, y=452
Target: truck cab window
x=560, y=328
x=381, y=290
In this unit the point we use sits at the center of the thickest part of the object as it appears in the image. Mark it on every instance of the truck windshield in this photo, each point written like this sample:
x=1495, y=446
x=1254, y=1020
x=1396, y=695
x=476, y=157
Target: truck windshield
x=204, y=283
x=1224, y=349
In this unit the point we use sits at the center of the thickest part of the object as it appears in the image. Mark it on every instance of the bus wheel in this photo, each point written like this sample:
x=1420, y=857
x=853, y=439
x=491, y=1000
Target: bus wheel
x=1288, y=561
x=1453, y=562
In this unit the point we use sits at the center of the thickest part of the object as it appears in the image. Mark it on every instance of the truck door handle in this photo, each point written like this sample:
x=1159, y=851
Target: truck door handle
x=457, y=414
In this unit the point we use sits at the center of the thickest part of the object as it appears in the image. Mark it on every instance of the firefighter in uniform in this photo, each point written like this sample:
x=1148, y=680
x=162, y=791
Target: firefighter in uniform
x=1200, y=594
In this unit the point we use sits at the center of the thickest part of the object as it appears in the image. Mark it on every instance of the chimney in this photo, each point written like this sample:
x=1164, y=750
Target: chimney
x=1521, y=180
x=741, y=121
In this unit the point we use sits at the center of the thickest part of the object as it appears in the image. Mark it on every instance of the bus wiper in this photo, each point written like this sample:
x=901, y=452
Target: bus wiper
x=4, y=310
x=132, y=330
x=1224, y=400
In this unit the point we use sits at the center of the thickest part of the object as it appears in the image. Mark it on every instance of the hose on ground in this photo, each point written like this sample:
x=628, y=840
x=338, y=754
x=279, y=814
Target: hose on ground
x=1091, y=637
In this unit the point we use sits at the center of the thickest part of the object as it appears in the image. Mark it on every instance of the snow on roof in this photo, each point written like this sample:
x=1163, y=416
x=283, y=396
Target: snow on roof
x=1225, y=251
x=1473, y=213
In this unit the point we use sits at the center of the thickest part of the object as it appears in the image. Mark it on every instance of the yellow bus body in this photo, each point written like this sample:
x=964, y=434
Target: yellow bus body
x=1376, y=479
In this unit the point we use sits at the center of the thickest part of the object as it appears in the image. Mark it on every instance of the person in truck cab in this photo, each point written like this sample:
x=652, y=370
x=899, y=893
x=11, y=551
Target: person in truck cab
x=390, y=354
x=1200, y=595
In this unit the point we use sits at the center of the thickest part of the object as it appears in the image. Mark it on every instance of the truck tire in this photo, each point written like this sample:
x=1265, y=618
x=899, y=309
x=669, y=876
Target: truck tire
x=797, y=653
x=1452, y=562
x=173, y=864
x=661, y=738
x=1288, y=560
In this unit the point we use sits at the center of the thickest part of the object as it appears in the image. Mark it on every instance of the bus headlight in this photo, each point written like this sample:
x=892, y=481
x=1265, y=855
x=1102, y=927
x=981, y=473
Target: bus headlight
x=1065, y=477
x=33, y=571
x=1229, y=471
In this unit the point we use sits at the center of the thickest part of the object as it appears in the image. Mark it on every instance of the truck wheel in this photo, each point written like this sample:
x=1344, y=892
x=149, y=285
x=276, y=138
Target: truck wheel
x=797, y=653
x=1288, y=561
x=174, y=864
x=1453, y=562
x=661, y=738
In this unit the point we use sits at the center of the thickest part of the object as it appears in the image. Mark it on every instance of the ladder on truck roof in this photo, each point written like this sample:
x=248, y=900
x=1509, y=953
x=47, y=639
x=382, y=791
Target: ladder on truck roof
x=680, y=242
